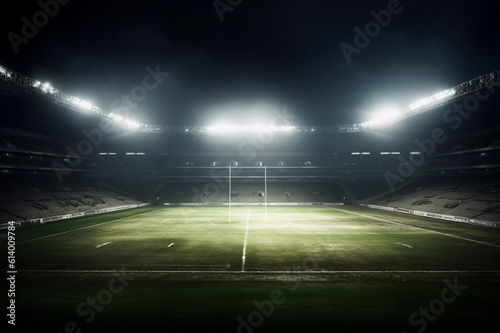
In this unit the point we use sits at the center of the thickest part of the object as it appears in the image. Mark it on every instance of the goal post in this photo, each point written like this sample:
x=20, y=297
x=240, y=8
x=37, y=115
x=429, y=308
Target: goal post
x=229, y=203
x=229, y=200
x=265, y=193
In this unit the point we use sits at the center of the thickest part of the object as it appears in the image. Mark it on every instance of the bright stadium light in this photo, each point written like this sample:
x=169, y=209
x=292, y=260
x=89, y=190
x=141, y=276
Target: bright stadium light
x=47, y=88
x=383, y=118
x=74, y=100
x=130, y=124
x=282, y=128
x=226, y=128
x=85, y=105
x=82, y=104
x=4, y=71
x=433, y=99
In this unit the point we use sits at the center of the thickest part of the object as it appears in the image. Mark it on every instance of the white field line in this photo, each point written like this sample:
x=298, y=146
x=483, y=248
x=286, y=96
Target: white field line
x=104, y=244
x=411, y=247
x=249, y=272
x=243, y=258
x=171, y=244
x=418, y=228
x=90, y=226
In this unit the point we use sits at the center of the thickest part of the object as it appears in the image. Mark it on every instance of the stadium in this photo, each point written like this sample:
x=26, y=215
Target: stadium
x=108, y=223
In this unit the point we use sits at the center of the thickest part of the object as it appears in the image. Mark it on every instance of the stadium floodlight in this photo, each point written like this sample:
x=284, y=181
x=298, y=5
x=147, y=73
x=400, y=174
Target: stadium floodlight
x=225, y=128
x=130, y=124
x=117, y=118
x=4, y=71
x=283, y=128
x=221, y=129
x=384, y=118
x=433, y=99
x=74, y=100
x=47, y=88
x=82, y=104
x=85, y=105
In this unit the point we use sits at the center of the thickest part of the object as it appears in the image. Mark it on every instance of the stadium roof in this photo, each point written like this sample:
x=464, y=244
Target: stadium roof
x=273, y=54
x=280, y=122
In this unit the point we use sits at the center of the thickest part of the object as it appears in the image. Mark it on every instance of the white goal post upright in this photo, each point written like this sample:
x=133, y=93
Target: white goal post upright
x=265, y=192
x=229, y=201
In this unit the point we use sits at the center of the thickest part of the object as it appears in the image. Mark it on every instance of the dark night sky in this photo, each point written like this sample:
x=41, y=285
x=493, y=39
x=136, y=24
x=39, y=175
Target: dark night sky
x=264, y=54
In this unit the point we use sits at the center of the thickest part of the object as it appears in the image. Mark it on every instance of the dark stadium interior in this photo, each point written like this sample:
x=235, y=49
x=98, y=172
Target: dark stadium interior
x=219, y=153
x=36, y=133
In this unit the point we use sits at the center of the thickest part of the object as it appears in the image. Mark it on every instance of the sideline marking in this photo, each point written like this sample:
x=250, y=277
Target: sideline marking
x=248, y=272
x=411, y=247
x=90, y=226
x=243, y=258
x=418, y=228
x=98, y=246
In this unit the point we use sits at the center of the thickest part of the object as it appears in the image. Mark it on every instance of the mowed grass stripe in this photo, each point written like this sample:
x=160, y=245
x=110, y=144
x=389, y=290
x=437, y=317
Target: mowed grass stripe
x=418, y=228
x=26, y=233
x=287, y=272
x=335, y=240
x=137, y=243
x=81, y=228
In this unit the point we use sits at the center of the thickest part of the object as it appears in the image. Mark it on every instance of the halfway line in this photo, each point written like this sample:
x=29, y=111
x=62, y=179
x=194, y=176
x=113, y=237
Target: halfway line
x=243, y=258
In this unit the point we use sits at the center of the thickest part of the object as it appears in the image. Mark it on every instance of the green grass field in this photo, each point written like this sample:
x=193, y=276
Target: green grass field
x=301, y=268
